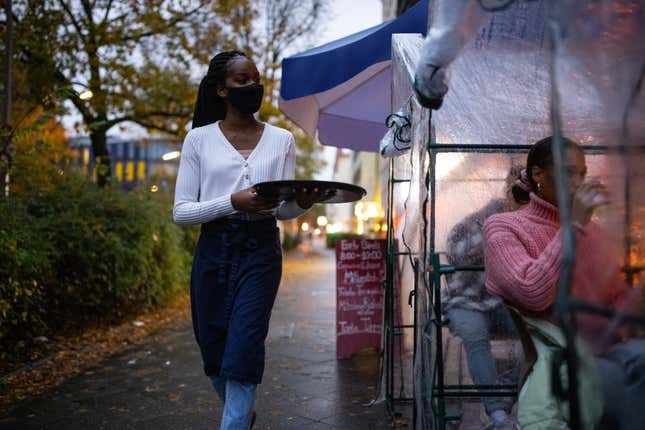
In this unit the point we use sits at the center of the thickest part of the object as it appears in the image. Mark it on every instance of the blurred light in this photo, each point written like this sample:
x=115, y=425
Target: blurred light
x=154, y=188
x=377, y=228
x=141, y=170
x=170, y=155
x=129, y=171
x=86, y=95
x=317, y=232
x=305, y=226
x=384, y=228
x=360, y=229
x=333, y=228
x=358, y=210
x=372, y=210
x=321, y=220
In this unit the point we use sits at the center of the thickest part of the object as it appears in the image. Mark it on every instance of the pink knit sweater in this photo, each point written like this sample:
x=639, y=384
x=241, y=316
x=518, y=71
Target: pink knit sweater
x=523, y=257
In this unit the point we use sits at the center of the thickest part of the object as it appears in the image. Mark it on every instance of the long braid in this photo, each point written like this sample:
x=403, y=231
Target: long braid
x=210, y=107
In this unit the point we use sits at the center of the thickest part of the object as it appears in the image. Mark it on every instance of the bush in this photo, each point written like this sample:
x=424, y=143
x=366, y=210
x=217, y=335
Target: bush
x=290, y=241
x=76, y=254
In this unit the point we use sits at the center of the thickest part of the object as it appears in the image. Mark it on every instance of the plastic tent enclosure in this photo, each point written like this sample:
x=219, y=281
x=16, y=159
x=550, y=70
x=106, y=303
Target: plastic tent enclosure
x=590, y=55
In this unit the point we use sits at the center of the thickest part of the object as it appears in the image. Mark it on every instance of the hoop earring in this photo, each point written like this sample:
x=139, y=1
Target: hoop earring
x=539, y=185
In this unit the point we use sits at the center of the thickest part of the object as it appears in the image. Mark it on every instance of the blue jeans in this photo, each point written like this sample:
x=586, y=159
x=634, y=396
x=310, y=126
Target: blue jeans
x=474, y=328
x=622, y=370
x=238, y=398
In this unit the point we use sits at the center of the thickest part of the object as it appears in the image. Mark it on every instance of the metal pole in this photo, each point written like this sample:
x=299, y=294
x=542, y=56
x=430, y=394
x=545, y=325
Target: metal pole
x=6, y=119
x=431, y=188
x=389, y=281
x=628, y=150
x=563, y=311
x=414, y=335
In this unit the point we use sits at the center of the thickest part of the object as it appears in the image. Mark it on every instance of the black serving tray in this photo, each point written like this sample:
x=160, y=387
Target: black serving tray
x=340, y=192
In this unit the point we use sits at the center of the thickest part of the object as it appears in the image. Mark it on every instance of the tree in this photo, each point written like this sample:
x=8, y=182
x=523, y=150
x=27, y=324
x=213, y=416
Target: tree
x=37, y=139
x=266, y=30
x=140, y=61
x=42, y=154
x=127, y=60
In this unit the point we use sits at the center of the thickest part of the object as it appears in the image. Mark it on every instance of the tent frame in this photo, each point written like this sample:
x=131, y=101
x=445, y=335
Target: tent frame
x=568, y=307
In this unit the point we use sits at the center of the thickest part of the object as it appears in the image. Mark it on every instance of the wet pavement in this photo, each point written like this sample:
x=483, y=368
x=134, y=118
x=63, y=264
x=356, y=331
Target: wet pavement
x=159, y=384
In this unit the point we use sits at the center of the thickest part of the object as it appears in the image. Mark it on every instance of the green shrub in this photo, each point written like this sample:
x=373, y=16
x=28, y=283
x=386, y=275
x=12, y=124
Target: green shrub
x=290, y=241
x=76, y=254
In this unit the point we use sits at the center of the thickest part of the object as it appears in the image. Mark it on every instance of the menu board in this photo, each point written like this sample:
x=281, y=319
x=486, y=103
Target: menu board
x=360, y=271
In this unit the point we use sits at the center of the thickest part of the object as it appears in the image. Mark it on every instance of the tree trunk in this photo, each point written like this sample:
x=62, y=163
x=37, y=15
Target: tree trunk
x=6, y=149
x=101, y=157
x=6, y=160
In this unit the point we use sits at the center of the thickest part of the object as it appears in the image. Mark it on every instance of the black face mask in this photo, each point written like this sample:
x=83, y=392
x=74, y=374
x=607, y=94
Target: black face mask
x=246, y=99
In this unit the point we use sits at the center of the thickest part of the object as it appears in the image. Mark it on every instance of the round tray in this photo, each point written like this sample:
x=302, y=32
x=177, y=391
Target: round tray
x=285, y=190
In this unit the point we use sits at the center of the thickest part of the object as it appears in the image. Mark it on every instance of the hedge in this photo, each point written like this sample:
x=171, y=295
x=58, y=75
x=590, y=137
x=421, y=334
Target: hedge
x=77, y=254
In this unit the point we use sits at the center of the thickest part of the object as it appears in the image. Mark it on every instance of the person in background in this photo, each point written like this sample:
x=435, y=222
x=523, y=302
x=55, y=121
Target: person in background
x=523, y=258
x=238, y=260
x=474, y=315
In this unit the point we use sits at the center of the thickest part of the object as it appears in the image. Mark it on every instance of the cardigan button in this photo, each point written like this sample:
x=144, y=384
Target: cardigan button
x=246, y=164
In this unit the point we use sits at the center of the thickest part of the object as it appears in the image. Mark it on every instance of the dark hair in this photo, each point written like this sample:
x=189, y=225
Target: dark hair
x=209, y=106
x=541, y=155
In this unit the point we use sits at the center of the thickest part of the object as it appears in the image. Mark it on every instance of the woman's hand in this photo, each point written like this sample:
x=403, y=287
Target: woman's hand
x=588, y=197
x=306, y=198
x=248, y=200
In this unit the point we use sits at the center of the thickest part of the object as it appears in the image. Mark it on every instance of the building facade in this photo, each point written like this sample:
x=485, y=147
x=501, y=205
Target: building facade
x=133, y=161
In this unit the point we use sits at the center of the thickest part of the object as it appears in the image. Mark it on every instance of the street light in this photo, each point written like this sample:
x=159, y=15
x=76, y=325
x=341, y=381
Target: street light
x=321, y=220
x=305, y=226
x=170, y=155
x=86, y=95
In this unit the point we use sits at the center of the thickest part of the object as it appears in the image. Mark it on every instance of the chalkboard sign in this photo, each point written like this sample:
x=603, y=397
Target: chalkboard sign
x=360, y=271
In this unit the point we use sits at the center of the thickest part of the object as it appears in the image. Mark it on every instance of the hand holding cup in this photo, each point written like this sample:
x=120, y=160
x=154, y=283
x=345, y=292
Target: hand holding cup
x=586, y=199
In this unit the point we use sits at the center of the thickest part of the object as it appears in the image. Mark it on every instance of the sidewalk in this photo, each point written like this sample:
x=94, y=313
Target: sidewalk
x=159, y=384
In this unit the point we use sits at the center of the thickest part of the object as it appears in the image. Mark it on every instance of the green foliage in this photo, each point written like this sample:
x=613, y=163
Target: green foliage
x=77, y=254
x=290, y=241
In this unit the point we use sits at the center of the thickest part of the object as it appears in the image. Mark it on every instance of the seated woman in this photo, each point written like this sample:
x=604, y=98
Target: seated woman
x=523, y=257
x=473, y=314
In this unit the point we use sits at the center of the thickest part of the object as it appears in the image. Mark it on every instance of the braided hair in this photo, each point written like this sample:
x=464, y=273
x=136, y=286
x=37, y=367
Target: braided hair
x=210, y=107
x=541, y=155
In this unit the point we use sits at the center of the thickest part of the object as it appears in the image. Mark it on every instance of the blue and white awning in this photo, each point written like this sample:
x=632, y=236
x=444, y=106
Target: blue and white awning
x=342, y=89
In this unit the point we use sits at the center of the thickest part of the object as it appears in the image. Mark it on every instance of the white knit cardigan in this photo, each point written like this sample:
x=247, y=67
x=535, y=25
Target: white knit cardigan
x=211, y=170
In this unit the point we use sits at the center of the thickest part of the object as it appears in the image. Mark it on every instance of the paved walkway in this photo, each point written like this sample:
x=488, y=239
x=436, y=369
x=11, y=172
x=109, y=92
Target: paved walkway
x=159, y=384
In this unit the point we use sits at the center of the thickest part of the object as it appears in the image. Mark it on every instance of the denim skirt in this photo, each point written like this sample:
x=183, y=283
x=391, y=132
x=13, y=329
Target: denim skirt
x=234, y=281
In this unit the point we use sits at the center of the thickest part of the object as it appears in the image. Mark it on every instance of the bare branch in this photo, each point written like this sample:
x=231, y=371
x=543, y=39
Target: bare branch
x=142, y=117
x=71, y=16
x=160, y=30
x=107, y=12
x=151, y=126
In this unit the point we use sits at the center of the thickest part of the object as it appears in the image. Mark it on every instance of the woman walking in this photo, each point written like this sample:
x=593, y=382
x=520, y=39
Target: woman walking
x=238, y=260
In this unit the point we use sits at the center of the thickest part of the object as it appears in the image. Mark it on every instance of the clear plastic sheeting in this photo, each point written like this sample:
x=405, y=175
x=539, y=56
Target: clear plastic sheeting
x=599, y=66
x=500, y=88
x=499, y=84
x=408, y=202
x=599, y=59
